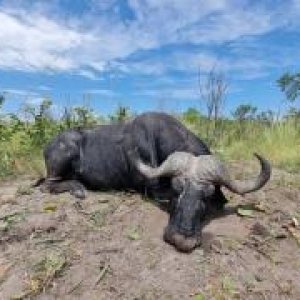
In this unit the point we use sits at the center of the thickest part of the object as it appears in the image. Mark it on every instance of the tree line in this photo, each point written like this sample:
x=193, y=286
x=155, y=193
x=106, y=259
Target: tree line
x=23, y=135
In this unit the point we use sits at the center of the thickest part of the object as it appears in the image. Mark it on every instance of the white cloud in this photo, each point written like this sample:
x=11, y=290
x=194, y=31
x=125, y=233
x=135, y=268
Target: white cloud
x=35, y=101
x=36, y=38
x=172, y=93
x=88, y=74
x=228, y=26
x=191, y=62
x=17, y=92
x=101, y=92
x=36, y=43
x=44, y=88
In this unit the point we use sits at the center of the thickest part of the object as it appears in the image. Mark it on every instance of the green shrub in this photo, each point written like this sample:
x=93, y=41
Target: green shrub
x=22, y=140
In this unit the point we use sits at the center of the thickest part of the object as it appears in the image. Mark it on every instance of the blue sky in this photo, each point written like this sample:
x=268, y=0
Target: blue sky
x=145, y=53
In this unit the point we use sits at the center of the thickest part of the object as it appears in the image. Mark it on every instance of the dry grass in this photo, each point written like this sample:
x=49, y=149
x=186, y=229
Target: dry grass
x=43, y=274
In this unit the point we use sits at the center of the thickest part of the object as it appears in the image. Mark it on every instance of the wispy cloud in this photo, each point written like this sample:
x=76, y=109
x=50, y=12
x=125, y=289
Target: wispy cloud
x=18, y=92
x=101, y=92
x=35, y=101
x=190, y=62
x=169, y=93
x=41, y=37
x=44, y=88
x=36, y=43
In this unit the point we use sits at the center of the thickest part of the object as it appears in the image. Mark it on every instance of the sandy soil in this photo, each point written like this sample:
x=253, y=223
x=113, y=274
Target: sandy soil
x=111, y=247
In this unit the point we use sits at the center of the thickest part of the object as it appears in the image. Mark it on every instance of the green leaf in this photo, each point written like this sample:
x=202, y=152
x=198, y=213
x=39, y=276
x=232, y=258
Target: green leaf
x=245, y=212
x=3, y=226
x=98, y=218
x=134, y=234
x=50, y=207
x=199, y=296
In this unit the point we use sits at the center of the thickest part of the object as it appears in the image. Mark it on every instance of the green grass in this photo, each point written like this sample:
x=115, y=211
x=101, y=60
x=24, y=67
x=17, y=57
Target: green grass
x=22, y=142
x=280, y=144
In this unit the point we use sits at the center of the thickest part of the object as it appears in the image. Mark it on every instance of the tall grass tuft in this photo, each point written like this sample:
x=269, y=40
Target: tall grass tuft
x=280, y=143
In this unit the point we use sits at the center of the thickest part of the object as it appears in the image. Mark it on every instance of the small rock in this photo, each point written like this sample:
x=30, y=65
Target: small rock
x=42, y=223
x=280, y=234
x=295, y=222
x=261, y=274
x=259, y=277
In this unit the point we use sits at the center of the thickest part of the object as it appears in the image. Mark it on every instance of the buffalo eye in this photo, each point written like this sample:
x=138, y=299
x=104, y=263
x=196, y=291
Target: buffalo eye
x=178, y=184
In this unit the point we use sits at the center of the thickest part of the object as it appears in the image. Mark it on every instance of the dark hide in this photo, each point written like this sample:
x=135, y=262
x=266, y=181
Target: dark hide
x=98, y=159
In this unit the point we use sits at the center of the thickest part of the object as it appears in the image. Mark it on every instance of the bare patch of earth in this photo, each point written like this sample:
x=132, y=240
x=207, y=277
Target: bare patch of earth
x=112, y=247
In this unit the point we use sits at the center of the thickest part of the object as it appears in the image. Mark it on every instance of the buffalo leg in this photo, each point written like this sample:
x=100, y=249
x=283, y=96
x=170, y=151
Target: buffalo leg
x=74, y=187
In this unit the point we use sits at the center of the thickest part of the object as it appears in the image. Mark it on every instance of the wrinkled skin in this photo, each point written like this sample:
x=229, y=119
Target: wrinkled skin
x=197, y=181
x=188, y=211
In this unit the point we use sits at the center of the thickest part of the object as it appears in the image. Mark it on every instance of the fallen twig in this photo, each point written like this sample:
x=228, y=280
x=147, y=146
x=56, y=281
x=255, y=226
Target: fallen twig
x=108, y=250
x=75, y=287
x=49, y=241
x=294, y=232
x=104, y=270
x=103, y=200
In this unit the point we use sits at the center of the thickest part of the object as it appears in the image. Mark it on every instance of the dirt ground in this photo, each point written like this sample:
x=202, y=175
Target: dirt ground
x=111, y=247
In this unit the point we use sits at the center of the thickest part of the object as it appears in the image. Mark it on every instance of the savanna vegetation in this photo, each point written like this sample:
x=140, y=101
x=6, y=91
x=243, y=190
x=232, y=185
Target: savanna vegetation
x=23, y=135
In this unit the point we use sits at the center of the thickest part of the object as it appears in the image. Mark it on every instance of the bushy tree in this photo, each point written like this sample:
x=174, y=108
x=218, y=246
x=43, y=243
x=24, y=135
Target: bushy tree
x=121, y=114
x=84, y=116
x=244, y=112
x=266, y=117
x=290, y=85
x=192, y=116
x=2, y=98
x=42, y=125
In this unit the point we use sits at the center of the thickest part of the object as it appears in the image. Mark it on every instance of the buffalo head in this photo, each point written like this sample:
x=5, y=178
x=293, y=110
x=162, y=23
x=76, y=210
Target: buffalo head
x=196, y=181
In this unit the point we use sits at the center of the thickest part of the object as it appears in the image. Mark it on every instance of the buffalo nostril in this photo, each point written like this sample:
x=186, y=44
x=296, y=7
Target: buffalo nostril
x=182, y=243
x=186, y=231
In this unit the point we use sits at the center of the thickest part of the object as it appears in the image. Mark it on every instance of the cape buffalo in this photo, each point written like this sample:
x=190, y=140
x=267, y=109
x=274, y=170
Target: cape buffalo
x=106, y=157
x=195, y=178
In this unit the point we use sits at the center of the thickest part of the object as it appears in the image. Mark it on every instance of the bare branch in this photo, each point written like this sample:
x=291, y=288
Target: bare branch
x=212, y=92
